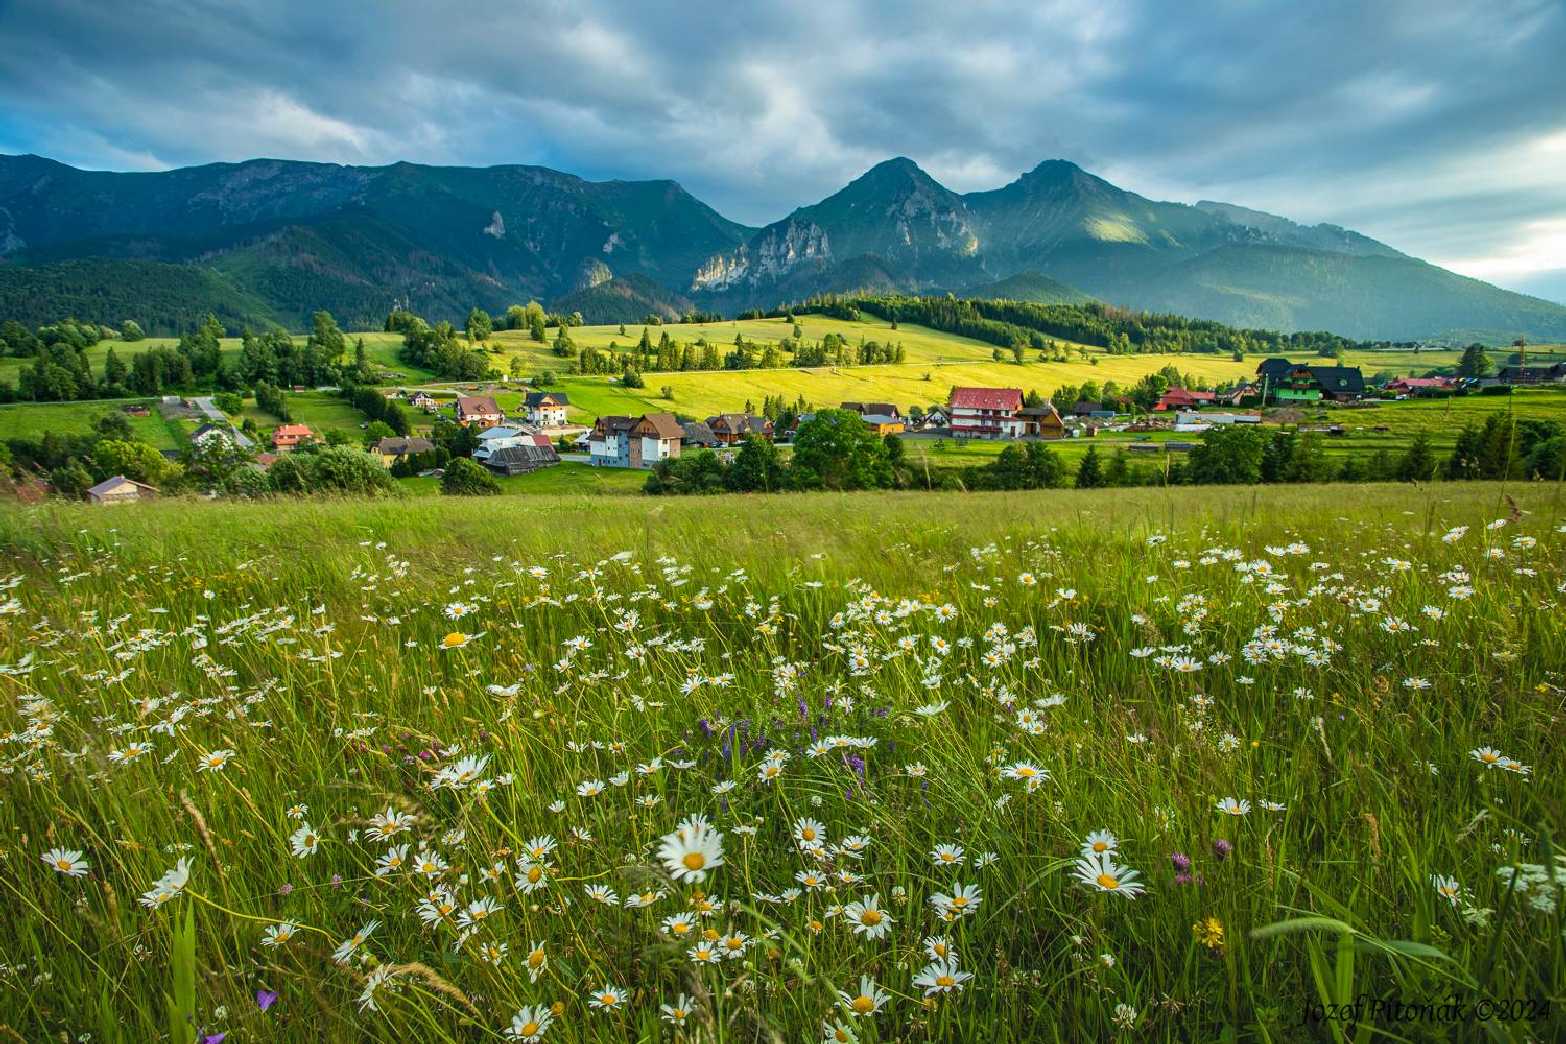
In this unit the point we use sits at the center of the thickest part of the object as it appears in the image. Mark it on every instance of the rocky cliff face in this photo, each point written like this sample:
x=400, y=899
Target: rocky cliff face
x=774, y=253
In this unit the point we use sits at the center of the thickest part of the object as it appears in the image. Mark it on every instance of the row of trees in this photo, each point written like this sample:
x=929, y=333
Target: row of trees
x=1027, y=325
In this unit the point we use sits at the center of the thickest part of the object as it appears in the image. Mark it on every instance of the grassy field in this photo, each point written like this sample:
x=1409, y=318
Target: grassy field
x=1143, y=764
x=564, y=478
x=30, y=420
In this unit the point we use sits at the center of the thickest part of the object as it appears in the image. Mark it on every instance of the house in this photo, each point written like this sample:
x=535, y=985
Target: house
x=137, y=409
x=1339, y=383
x=522, y=458
x=1420, y=386
x=395, y=447
x=936, y=417
x=507, y=435
x=733, y=427
x=1515, y=375
x=1183, y=399
x=634, y=442
x=884, y=424
x=478, y=409
x=984, y=413
x=1092, y=411
x=1238, y=394
x=697, y=434
x=1040, y=422
x=289, y=436
x=120, y=490
x=878, y=409
x=1285, y=381
x=422, y=400
x=546, y=409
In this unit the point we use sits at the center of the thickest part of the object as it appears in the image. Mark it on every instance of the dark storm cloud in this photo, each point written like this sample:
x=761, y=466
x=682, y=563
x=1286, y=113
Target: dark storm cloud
x=1439, y=127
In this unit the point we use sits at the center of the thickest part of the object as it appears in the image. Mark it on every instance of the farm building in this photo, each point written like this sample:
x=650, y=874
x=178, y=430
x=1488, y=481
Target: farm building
x=521, y=458
x=1515, y=375
x=877, y=409
x=423, y=400
x=698, y=435
x=120, y=490
x=884, y=424
x=478, y=409
x=634, y=442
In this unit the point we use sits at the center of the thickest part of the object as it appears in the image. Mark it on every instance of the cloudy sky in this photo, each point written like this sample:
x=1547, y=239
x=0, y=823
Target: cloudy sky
x=1438, y=126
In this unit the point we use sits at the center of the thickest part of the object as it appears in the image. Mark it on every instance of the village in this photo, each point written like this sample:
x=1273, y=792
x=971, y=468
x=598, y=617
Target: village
x=539, y=432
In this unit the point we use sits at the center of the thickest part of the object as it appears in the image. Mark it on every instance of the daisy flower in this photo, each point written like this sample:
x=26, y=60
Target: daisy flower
x=214, y=760
x=530, y=1023
x=1101, y=873
x=67, y=861
x=941, y=977
x=607, y=998
x=1099, y=842
x=1234, y=806
x=868, y=918
x=692, y=850
x=868, y=1000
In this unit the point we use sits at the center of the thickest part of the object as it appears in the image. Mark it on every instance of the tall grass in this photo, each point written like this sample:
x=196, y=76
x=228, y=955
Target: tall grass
x=1331, y=656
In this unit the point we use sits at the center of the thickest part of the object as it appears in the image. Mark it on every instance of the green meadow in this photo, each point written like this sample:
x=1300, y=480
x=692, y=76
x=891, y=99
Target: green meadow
x=1110, y=765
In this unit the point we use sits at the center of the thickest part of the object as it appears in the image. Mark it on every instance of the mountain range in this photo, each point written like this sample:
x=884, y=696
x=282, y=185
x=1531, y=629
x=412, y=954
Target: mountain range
x=269, y=241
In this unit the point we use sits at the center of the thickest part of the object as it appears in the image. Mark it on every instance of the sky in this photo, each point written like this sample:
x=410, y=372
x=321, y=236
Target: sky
x=1437, y=126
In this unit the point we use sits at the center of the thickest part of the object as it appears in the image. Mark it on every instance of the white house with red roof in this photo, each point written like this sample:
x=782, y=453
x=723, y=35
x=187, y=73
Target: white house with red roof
x=986, y=413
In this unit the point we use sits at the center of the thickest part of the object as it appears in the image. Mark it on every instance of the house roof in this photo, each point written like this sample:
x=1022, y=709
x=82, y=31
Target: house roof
x=867, y=409
x=697, y=431
x=1275, y=367
x=986, y=399
x=880, y=418
x=108, y=485
x=1037, y=411
x=539, y=398
x=506, y=431
x=293, y=431
x=1084, y=406
x=739, y=423
x=402, y=445
x=524, y=453
x=1339, y=378
x=1419, y=382
x=663, y=425
x=613, y=423
x=477, y=404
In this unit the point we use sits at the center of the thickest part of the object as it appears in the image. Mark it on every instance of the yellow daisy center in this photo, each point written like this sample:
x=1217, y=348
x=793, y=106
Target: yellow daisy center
x=454, y=640
x=694, y=860
x=1099, y=846
x=530, y=1028
x=1108, y=882
x=870, y=917
x=945, y=981
x=863, y=1004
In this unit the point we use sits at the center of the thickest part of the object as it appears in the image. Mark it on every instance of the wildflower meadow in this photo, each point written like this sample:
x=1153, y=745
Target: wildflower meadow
x=1135, y=765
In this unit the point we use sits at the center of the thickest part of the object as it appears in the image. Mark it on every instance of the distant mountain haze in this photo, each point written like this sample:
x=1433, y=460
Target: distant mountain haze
x=267, y=242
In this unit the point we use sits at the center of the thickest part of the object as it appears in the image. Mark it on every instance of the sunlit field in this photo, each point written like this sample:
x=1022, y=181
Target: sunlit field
x=1145, y=764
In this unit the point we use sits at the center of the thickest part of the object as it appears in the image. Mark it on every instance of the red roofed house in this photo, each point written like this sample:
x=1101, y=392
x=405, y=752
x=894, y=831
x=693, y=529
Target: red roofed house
x=985, y=413
x=1420, y=385
x=1184, y=399
x=478, y=409
x=287, y=436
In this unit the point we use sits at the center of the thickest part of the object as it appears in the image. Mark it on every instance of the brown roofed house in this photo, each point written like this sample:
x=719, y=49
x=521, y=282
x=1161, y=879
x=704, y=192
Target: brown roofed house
x=478, y=409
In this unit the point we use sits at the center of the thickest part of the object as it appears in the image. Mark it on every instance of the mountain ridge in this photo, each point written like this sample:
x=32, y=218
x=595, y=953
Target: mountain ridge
x=284, y=237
